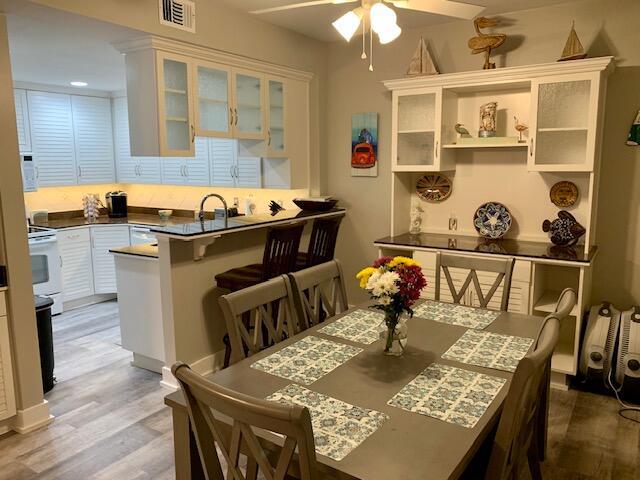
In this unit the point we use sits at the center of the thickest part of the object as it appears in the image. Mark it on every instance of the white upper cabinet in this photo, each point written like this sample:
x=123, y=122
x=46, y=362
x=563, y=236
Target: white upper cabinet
x=248, y=172
x=248, y=110
x=213, y=109
x=276, y=117
x=22, y=121
x=564, y=123
x=188, y=170
x=52, y=138
x=93, y=139
x=130, y=169
x=222, y=157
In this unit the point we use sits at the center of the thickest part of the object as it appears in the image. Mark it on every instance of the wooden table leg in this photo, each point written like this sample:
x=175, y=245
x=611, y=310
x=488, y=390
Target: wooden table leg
x=187, y=459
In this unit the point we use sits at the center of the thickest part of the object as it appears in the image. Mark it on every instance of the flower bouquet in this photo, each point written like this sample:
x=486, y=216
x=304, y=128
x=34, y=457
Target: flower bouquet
x=395, y=284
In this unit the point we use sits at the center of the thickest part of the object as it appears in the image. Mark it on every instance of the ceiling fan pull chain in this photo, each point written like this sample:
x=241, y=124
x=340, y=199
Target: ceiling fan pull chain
x=364, y=40
x=371, y=50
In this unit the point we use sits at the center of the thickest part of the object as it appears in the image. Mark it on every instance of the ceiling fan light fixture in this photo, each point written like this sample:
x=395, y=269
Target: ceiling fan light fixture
x=382, y=18
x=347, y=25
x=390, y=34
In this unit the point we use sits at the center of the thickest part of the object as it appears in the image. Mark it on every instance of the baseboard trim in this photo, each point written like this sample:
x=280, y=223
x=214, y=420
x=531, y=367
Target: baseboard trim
x=204, y=366
x=147, y=363
x=32, y=418
x=90, y=300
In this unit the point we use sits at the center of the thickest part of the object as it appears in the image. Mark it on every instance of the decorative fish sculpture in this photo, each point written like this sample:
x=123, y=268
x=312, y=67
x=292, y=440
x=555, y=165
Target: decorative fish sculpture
x=564, y=230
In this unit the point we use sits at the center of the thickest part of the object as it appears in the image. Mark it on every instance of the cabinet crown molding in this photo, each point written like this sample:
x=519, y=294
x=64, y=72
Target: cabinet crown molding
x=209, y=54
x=606, y=65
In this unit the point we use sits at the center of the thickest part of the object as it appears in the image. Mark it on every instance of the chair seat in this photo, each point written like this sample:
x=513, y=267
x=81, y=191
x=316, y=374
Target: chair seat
x=239, y=278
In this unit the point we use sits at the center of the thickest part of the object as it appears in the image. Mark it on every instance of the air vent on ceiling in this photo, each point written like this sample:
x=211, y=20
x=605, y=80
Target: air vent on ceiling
x=178, y=14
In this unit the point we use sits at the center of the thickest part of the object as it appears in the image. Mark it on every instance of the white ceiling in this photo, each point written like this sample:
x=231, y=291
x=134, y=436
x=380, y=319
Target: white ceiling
x=316, y=21
x=54, y=48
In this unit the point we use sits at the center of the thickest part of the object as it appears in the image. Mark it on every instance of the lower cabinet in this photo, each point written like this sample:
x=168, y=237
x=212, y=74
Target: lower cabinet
x=7, y=392
x=87, y=266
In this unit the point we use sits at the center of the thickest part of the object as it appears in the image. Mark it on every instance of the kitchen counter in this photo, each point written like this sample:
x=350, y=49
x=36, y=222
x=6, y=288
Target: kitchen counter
x=188, y=231
x=145, y=219
x=149, y=250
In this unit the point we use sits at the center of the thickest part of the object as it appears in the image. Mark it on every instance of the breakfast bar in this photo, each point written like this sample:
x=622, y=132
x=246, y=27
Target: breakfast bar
x=190, y=256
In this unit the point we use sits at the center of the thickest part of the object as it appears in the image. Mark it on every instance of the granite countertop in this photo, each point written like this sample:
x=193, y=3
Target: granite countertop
x=145, y=219
x=507, y=246
x=195, y=229
x=148, y=250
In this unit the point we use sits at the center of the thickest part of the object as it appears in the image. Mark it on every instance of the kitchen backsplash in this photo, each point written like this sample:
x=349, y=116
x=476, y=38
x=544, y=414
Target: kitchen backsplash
x=60, y=199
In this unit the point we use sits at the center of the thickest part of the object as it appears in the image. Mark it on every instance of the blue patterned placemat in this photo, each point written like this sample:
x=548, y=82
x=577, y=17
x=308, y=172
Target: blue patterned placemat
x=454, y=314
x=361, y=326
x=492, y=350
x=450, y=394
x=338, y=427
x=307, y=360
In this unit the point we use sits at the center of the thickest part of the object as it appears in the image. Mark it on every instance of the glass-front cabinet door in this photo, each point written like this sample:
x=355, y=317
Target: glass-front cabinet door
x=416, y=127
x=177, y=130
x=563, y=123
x=213, y=110
x=248, y=110
x=276, y=138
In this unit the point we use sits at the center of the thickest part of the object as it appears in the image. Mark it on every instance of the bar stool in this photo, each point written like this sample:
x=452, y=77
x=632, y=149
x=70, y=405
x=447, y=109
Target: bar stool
x=322, y=244
x=280, y=254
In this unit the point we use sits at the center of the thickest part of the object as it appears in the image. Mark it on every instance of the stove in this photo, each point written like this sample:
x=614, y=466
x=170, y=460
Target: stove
x=46, y=265
x=37, y=232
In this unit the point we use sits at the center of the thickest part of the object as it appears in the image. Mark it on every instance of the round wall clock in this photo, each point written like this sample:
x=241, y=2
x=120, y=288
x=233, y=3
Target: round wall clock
x=564, y=194
x=433, y=188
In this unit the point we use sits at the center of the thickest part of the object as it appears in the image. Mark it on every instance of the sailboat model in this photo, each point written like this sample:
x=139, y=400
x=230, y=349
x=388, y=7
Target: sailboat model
x=573, y=49
x=421, y=62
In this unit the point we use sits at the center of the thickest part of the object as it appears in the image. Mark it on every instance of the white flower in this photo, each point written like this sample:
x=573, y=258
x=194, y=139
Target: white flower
x=383, y=284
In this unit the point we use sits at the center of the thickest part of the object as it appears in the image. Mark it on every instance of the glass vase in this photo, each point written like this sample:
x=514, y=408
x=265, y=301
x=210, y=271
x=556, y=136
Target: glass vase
x=395, y=335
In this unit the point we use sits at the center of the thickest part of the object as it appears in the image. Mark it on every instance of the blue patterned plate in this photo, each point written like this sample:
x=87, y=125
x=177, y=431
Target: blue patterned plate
x=492, y=220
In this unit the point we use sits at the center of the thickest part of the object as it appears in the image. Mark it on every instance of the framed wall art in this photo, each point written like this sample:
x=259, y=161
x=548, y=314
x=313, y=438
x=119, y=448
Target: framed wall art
x=364, y=144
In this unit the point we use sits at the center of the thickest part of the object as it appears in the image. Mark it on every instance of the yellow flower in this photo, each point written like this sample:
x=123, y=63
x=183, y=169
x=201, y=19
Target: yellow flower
x=406, y=261
x=364, y=274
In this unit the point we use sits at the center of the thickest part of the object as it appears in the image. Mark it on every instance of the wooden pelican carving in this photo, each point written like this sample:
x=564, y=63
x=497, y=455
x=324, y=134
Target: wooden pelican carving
x=486, y=42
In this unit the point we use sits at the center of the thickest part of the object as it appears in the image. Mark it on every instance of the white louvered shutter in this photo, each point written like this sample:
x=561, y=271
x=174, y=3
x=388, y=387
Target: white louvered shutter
x=104, y=238
x=249, y=173
x=222, y=156
x=197, y=167
x=22, y=121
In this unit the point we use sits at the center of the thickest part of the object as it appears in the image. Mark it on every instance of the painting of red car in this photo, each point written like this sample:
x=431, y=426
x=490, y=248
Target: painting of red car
x=364, y=156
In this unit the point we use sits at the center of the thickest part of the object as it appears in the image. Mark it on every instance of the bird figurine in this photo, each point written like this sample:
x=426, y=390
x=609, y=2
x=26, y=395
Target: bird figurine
x=461, y=130
x=520, y=128
x=484, y=42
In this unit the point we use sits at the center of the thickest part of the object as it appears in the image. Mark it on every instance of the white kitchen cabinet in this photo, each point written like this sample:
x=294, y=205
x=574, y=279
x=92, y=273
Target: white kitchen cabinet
x=104, y=238
x=22, y=120
x=52, y=138
x=93, y=135
x=228, y=169
x=77, y=265
x=249, y=101
x=213, y=100
x=130, y=169
x=276, y=117
x=188, y=170
x=7, y=390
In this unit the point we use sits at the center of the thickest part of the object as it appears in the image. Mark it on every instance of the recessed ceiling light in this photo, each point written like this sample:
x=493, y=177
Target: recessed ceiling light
x=79, y=84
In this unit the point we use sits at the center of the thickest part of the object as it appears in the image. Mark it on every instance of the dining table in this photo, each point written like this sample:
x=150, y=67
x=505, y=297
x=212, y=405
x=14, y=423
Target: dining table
x=407, y=445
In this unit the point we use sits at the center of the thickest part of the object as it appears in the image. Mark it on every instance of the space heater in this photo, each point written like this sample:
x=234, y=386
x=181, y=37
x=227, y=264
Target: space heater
x=628, y=355
x=598, y=344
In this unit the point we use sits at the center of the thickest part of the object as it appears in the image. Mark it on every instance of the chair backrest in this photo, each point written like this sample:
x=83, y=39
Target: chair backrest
x=516, y=428
x=503, y=268
x=245, y=412
x=322, y=245
x=281, y=250
x=319, y=293
x=258, y=316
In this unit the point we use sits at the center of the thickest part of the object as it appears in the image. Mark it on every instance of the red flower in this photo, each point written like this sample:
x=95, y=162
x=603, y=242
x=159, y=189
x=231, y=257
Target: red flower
x=381, y=261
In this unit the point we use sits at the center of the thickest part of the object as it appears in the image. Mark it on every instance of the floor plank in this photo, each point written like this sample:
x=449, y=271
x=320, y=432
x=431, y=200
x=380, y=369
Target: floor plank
x=111, y=422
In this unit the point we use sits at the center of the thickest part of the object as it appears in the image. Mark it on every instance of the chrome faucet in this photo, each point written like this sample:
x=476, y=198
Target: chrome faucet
x=224, y=203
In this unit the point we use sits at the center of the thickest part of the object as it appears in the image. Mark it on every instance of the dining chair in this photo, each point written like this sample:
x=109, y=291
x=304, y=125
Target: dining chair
x=322, y=244
x=257, y=317
x=502, y=267
x=293, y=422
x=319, y=293
x=515, y=445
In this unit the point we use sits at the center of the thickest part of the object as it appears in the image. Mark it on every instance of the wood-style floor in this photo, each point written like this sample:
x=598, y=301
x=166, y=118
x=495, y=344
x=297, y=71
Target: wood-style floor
x=111, y=422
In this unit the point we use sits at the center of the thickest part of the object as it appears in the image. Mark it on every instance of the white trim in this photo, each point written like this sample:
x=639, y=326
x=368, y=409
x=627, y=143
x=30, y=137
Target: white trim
x=32, y=418
x=505, y=75
x=204, y=366
x=210, y=55
x=42, y=87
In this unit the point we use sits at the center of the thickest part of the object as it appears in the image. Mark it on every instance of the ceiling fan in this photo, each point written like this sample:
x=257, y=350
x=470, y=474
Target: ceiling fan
x=377, y=17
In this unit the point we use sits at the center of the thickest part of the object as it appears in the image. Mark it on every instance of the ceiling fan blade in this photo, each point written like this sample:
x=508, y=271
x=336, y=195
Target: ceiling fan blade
x=301, y=5
x=440, y=7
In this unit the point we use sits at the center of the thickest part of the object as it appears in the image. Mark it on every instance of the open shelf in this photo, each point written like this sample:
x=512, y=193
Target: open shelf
x=562, y=359
x=486, y=145
x=547, y=303
x=409, y=131
x=176, y=91
x=177, y=119
x=563, y=129
x=212, y=100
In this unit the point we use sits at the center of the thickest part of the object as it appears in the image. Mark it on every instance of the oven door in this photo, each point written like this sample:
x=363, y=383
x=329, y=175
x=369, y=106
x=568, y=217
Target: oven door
x=45, y=265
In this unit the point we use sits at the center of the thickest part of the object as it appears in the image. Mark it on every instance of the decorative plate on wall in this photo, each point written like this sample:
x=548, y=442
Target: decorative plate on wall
x=492, y=220
x=564, y=194
x=433, y=188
